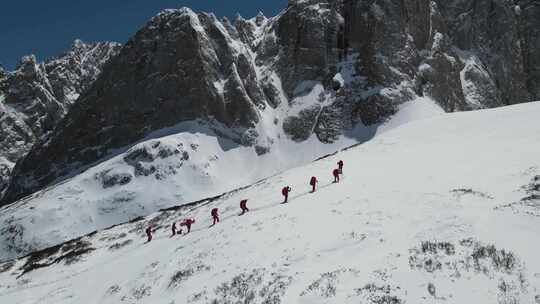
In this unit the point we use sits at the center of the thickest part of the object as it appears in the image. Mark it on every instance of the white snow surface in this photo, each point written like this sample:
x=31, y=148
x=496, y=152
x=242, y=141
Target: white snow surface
x=182, y=166
x=417, y=109
x=427, y=212
x=174, y=166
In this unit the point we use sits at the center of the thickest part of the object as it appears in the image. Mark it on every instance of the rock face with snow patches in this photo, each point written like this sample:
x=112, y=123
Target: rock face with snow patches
x=194, y=106
x=180, y=67
x=369, y=57
x=35, y=96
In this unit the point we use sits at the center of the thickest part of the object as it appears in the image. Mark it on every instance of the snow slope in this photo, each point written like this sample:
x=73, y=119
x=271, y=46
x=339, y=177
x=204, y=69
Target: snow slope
x=173, y=166
x=441, y=210
x=168, y=168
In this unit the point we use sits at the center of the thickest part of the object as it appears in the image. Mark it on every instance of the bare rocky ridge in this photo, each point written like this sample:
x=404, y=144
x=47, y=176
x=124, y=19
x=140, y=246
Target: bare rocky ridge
x=36, y=96
x=370, y=56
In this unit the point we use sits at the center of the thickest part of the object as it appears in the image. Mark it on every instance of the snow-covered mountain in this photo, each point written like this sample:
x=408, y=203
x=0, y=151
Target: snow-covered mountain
x=194, y=106
x=440, y=210
x=239, y=77
x=170, y=167
x=36, y=96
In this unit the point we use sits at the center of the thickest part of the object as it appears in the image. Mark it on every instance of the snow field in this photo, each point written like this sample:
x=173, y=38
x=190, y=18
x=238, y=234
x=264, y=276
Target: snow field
x=414, y=220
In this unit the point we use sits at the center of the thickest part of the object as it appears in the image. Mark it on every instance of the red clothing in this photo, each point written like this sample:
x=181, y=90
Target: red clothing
x=243, y=206
x=188, y=223
x=285, y=191
x=336, y=175
x=313, y=183
x=215, y=215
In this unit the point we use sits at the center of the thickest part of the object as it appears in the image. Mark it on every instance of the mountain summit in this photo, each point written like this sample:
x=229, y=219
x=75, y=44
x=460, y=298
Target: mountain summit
x=183, y=66
x=193, y=106
x=36, y=96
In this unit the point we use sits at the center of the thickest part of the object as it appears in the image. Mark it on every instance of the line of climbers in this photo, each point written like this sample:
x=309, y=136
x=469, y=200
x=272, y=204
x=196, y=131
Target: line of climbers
x=243, y=206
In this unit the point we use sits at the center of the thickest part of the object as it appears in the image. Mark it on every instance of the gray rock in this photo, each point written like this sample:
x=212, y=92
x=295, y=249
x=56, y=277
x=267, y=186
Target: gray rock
x=109, y=180
x=301, y=127
x=36, y=96
x=181, y=66
x=5, y=173
x=529, y=31
x=307, y=38
x=184, y=66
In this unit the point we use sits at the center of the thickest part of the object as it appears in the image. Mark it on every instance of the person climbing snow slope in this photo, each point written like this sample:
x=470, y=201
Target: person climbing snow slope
x=188, y=223
x=149, y=234
x=173, y=228
x=340, y=166
x=215, y=216
x=243, y=206
x=285, y=192
x=313, y=183
x=336, y=175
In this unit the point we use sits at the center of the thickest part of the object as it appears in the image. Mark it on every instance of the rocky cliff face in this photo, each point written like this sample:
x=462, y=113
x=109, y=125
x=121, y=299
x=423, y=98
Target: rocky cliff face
x=529, y=26
x=35, y=96
x=243, y=78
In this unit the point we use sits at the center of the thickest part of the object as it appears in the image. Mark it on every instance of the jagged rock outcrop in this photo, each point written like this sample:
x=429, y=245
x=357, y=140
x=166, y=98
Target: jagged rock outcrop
x=306, y=42
x=368, y=56
x=463, y=54
x=529, y=26
x=180, y=67
x=35, y=96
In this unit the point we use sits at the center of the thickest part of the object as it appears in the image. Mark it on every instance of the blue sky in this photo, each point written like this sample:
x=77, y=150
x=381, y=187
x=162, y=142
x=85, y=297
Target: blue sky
x=48, y=27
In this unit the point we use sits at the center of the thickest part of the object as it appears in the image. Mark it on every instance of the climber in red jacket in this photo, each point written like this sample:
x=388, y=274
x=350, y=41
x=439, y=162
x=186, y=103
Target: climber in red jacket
x=215, y=216
x=243, y=206
x=313, y=183
x=336, y=175
x=285, y=192
x=340, y=166
x=188, y=223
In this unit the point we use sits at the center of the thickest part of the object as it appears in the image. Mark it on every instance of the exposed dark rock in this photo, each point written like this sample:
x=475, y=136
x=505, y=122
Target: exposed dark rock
x=374, y=110
x=69, y=253
x=167, y=73
x=7, y=266
x=184, y=274
x=301, y=127
x=530, y=202
x=120, y=245
x=184, y=66
x=306, y=42
x=379, y=294
x=36, y=96
x=109, y=179
x=259, y=285
x=260, y=150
